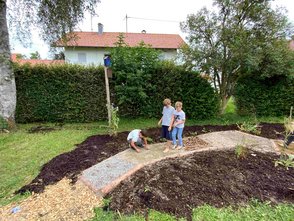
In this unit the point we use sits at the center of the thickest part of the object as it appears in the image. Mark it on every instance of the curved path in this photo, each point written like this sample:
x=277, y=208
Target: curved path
x=106, y=175
x=64, y=201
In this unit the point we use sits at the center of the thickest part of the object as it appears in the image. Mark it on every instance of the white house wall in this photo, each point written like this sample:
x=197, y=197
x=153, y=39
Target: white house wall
x=94, y=56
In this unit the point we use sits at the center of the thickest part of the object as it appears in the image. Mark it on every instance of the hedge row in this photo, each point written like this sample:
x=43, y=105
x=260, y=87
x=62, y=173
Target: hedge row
x=264, y=97
x=72, y=93
x=67, y=93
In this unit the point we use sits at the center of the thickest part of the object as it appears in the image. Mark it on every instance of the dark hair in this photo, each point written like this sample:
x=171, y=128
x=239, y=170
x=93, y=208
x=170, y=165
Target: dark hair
x=144, y=133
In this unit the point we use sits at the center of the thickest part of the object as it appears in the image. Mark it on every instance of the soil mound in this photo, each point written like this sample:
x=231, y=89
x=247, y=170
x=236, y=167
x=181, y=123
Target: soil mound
x=100, y=147
x=217, y=178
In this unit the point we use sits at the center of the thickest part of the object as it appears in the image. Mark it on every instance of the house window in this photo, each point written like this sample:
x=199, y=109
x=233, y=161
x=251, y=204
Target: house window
x=82, y=58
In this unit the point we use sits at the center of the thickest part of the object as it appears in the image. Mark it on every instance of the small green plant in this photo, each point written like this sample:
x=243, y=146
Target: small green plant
x=113, y=127
x=150, y=140
x=286, y=160
x=146, y=189
x=250, y=127
x=3, y=124
x=105, y=203
x=241, y=151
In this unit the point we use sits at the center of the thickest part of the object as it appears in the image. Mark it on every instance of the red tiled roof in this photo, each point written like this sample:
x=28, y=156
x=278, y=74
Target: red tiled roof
x=107, y=39
x=35, y=61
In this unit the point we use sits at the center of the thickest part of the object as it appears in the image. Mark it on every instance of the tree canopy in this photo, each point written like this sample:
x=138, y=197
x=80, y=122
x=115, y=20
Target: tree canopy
x=237, y=38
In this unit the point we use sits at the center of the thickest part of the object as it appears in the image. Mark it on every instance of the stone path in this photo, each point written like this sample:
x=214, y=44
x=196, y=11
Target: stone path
x=63, y=201
x=105, y=176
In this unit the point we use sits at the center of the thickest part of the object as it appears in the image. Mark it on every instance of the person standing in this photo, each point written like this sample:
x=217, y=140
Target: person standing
x=165, y=121
x=177, y=125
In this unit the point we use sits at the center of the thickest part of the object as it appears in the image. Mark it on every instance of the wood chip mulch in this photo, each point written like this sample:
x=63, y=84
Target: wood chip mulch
x=62, y=201
x=193, y=143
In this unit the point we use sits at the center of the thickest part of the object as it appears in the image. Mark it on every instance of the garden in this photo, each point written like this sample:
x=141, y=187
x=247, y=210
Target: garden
x=209, y=185
x=62, y=131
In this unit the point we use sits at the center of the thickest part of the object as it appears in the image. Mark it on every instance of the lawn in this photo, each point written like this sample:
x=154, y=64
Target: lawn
x=22, y=154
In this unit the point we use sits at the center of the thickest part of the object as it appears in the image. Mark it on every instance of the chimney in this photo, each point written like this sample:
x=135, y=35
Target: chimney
x=100, y=28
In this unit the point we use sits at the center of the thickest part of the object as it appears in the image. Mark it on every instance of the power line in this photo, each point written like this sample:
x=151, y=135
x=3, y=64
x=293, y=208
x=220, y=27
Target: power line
x=153, y=19
x=149, y=19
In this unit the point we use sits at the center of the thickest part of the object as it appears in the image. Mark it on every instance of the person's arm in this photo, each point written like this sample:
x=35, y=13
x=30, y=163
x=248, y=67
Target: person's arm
x=179, y=122
x=145, y=143
x=171, y=123
x=133, y=145
x=159, y=122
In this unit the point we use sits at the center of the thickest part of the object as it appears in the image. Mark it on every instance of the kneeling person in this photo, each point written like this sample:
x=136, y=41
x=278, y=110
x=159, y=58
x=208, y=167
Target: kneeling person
x=137, y=138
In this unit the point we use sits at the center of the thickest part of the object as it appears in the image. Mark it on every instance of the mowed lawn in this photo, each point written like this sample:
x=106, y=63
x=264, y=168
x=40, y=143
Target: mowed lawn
x=22, y=154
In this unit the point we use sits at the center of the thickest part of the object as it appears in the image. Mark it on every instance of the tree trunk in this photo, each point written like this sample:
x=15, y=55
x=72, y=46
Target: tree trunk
x=7, y=80
x=224, y=102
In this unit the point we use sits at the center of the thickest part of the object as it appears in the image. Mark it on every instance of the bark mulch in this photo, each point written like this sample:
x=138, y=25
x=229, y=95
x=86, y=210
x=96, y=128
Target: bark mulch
x=100, y=147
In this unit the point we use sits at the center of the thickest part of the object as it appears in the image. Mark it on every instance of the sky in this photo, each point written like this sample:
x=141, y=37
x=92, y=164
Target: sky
x=153, y=16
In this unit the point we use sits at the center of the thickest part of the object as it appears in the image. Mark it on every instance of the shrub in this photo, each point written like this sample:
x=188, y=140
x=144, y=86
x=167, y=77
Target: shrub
x=264, y=96
x=69, y=93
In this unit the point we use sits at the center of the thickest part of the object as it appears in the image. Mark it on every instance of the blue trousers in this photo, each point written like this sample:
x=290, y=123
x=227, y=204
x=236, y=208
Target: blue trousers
x=177, y=132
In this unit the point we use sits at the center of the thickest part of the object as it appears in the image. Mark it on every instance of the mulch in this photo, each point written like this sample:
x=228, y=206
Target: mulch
x=177, y=185
x=217, y=178
x=100, y=147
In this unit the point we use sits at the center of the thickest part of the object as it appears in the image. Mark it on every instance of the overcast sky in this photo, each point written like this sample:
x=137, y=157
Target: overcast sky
x=154, y=16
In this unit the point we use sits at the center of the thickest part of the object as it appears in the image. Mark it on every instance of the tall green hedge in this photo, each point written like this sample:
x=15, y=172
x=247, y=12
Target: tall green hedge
x=264, y=97
x=69, y=93
x=73, y=93
x=198, y=96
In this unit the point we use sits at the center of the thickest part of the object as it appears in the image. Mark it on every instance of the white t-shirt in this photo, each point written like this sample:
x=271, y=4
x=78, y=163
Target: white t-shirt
x=134, y=135
x=167, y=114
x=179, y=116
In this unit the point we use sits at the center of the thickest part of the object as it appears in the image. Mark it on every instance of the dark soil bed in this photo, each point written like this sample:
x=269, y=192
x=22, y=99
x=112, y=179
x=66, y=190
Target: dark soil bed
x=217, y=178
x=99, y=147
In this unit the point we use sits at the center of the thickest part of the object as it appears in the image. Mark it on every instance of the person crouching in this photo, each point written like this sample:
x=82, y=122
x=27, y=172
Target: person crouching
x=137, y=138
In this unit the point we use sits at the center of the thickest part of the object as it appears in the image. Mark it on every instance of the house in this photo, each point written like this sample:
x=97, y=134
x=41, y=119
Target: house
x=90, y=47
x=14, y=58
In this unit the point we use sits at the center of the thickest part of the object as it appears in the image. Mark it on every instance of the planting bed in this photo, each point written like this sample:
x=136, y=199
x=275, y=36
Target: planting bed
x=177, y=185
x=100, y=147
x=217, y=178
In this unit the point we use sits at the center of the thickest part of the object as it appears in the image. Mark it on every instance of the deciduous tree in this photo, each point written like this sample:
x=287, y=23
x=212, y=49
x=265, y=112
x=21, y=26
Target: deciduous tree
x=238, y=37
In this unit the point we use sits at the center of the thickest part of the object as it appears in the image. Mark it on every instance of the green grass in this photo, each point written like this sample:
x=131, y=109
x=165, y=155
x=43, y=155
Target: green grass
x=22, y=154
x=112, y=216
x=254, y=211
x=231, y=108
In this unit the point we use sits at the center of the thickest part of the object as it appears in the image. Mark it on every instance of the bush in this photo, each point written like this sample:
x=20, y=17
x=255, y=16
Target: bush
x=69, y=93
x=73, y=93
x=141, y=94
x=264, y=97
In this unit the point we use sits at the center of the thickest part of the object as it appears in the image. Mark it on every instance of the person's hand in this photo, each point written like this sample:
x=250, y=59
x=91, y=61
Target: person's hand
x=169, y=128
x=146, y=147
x=159, y=123
x=138, y=150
